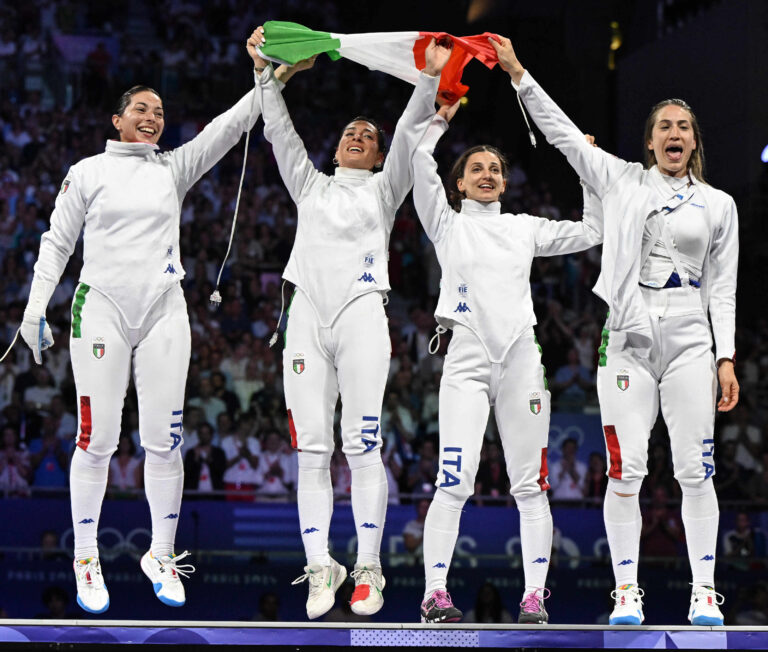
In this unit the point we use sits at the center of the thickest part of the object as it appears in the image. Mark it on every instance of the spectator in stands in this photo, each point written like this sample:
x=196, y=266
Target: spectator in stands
x=277, y=468
x=210, y=404
x=662, y=531
x=492, y=479
x=126, y=471
x=15, y=471
x=596, y=480
x=413, y=532
x=567, y=475
x=204, y=465
x=572, y=383
x=748, y=440
x=242, y=450
x=745, y=542
x=48, y=459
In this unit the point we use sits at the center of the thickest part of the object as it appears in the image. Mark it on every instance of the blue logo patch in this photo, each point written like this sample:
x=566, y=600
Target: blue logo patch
x=462, y=307
x=708, y=558
x=540, y=560
x=464, y=289
x=439, y=565
x=310, y=530
x=367, y=278
x=171, y=516
x=368, y=260
x=86, y=521
x=626, y=562
x=698, y=205
x=370, y=526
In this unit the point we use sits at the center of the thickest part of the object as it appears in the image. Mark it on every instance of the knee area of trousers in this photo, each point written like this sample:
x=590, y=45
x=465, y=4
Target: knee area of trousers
x=361, y=461
x=701, y=488
x=533, y=505
x=629, y=487
x=450, y=501
x=314, y=460
x=91, y=459
x=163, y=457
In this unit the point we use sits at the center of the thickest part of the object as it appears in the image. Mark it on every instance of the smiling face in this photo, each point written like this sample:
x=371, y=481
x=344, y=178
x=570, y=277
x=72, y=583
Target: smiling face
x=672, y=140
x=142, y=121
x=359, y=146
x=483, y=178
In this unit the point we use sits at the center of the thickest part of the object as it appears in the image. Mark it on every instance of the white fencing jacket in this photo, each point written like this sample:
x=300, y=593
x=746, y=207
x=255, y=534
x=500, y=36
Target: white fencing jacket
x=128, y=203
x=630, y=195
x=344, y=220
x=486, y=255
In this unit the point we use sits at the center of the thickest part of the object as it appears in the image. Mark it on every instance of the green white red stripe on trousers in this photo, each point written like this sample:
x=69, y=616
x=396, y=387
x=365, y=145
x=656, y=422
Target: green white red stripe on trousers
x=400, y=54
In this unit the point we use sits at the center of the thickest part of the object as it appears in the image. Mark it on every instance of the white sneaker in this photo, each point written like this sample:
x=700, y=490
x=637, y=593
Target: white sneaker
x=164, y=573
x=323, y=583
x=704, y=606
x=92, y=594
x=369, y=583
x=629, y=605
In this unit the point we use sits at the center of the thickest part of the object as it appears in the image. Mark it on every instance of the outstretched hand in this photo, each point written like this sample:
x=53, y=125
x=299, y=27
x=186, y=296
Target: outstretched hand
x=437, y=55
x=447, y=111
x=507, y=57
x=729, y=386
x=255, y=41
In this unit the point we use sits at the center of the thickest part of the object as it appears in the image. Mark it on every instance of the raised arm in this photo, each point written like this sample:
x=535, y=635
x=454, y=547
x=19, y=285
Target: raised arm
x=56, y=247
x=566, y=236
x=428, y=193
x=723, y=264
x=396, y=177
x=597, y=168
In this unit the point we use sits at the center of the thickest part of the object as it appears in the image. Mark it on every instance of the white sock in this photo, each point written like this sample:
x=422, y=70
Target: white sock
x=163, y=484
x=623, y=523
x=441, y=529
x=369, y=505
x=87, y=484
x=315, y=500
x=535, y=539
x=701, y=517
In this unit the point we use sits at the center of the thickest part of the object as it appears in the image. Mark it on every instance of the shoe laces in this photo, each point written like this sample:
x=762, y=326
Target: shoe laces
x=616, y=594
x=365, y=575
x=89, y=570
x=171, y=564
x=442, y=599
x=532, y=602
x=316, y=577
x=701, y=592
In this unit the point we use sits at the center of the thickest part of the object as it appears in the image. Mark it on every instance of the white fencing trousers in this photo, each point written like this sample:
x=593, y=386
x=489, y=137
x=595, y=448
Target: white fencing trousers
x=103, y=349
x=348, y=358
x=471, y=383
x=679, y=374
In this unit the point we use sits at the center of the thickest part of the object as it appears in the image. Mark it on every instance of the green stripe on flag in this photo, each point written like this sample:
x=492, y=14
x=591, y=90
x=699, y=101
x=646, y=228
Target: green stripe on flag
x=291, y=42
x=77, y=308
x=602, y=360
x=543, y=368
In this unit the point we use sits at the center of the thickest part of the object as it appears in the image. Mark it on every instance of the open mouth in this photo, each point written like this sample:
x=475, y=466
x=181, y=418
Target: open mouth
x=486, y=186
x=674, y=153
x=358, y=150
x=147, y=131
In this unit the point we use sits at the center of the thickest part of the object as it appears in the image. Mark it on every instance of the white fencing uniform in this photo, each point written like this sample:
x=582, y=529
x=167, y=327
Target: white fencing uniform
x=657, y=342
x=129, y=309
x=337, y=339
x=493, y=358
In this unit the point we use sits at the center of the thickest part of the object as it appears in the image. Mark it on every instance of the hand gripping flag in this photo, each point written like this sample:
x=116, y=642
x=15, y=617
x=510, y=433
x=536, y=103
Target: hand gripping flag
x=400, y=54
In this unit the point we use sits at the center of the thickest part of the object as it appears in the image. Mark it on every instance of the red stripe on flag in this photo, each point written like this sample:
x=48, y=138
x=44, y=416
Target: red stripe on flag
x=85, y=423
x=543, y=471
x=464, y=49
x=614, y=451
x=292, y=430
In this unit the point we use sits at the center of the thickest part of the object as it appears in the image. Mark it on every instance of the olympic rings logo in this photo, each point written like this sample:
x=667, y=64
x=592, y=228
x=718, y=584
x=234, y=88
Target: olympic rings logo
x=113, y=543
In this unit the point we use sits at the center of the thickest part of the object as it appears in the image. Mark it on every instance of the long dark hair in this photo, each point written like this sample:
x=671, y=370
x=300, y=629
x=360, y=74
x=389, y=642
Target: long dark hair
x=125, y=98
x=457, y=172
x=696, y=162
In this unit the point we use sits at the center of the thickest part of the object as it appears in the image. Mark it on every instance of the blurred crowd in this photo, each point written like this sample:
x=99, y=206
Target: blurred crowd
x=235, y=432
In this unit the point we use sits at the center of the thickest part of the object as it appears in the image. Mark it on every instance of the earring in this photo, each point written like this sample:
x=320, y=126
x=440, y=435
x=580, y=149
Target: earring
x=335, y=161
x=378, y=165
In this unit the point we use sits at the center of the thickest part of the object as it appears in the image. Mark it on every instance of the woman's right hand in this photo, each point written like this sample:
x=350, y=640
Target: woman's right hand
x=256, y=40
x=507, y=58
x=447, y=111
x=436, y=56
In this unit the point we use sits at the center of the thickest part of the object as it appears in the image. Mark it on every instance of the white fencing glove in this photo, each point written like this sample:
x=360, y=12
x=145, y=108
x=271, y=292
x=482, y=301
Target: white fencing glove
x=35, y=330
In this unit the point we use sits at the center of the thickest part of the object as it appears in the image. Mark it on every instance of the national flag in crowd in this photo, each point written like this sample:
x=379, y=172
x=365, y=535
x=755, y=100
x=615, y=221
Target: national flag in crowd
x=400, y=54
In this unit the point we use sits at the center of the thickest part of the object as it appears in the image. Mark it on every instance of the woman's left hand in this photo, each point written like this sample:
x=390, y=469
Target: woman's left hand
x=437, y=55
x=447, y=111
x=256, y=40
x=729, y=386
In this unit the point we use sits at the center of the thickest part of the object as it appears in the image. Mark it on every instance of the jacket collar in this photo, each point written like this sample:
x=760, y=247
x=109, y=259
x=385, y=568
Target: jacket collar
x=344, y=174
x=119, y=148
x=472, y=207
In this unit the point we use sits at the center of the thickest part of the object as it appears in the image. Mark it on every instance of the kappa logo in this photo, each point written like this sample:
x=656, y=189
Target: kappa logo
x=64, y=187
x=708, y=464
x=708, y=558
x=98, y=348
x=462, y=307
x=170, y=269
x=171, y=516
x=540, y=560
x=626, y=562
x=310, y=530
x=370, y=526
x=367, y=278
x=298, y=363
x=439, y=565
x=622, y=380
x=534, y=402
x=86, y=521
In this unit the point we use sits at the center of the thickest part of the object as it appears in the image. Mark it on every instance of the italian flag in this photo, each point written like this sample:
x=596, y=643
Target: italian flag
x=400, y=54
